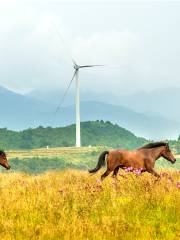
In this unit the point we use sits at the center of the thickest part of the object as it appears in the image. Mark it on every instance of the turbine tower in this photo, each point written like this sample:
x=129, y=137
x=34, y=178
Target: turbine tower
x=77, y=98
x=76, y=74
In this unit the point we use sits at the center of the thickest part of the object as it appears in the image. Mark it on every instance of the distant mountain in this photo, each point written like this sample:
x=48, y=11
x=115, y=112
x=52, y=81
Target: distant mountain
x=160, y=102
x=151, y=127
x=20, y=112
x=14, y=103
x=94, y=133
x=54, y=96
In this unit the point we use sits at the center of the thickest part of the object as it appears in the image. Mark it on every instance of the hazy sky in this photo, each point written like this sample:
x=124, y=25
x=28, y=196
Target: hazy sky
x=139, y=42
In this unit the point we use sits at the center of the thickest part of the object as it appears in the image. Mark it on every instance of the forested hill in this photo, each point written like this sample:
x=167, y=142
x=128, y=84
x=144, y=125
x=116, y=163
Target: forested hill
x=93, y=133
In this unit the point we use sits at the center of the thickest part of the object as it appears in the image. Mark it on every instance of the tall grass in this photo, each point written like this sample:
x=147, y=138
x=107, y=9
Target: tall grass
x=72, y=204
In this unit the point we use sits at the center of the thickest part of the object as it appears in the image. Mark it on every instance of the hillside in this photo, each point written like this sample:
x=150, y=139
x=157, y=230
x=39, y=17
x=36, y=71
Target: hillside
x=93, y=133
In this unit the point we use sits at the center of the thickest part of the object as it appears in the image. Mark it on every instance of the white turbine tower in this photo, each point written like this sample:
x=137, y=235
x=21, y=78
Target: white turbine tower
x=77, y=98
x=76, y=74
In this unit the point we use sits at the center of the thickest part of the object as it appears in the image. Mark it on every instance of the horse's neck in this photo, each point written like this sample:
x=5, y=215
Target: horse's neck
x=157, y=153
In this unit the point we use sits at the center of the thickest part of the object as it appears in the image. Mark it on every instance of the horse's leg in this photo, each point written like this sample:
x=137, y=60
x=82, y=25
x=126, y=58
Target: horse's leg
x=115, y=172
x=107, y=172
x=153, y=172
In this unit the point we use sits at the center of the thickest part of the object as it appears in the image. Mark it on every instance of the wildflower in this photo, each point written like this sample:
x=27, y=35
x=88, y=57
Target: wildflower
x=98, y=180
x=129, y=169
x=137, y=171
x=178, y=184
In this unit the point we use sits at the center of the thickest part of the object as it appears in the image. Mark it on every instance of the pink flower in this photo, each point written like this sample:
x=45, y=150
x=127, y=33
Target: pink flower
x=129, y=169
x=178, y=184
x=98, y=180
x=137, y=171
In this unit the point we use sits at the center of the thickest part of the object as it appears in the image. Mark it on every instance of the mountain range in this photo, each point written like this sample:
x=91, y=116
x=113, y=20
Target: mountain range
x=38, y=108
x=161, y=102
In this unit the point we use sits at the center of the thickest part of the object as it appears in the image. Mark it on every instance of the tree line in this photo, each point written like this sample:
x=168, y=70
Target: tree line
x=93, y=133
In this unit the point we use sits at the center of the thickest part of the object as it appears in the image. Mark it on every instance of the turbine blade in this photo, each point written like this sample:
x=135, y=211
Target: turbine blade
x=61, y=38
x=84, y=66
x=65, y=93
x=74, y=62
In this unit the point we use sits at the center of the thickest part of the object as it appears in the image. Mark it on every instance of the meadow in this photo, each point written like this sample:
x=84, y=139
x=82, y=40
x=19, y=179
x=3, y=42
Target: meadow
x=41, y=160
x=63, y=203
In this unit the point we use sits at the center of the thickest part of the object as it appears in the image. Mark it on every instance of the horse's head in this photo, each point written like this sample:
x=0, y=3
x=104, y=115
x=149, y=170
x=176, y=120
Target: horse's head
x=3, y=160
x=167, y=154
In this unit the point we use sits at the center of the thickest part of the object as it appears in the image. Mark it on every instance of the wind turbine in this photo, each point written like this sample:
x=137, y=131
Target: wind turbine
x=77, y=98
x=76, y=75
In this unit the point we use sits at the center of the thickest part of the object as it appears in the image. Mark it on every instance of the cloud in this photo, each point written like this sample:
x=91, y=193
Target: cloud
x=139, y=48
x=35, y=55
x=7, y=4
x=109, y=47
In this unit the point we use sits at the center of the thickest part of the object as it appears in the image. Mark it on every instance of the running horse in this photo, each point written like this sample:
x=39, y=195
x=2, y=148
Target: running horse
x=3, y=160
x=143, y=158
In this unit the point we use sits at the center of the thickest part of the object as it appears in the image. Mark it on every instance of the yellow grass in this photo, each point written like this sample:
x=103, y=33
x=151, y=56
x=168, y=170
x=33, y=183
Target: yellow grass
x=73, y=205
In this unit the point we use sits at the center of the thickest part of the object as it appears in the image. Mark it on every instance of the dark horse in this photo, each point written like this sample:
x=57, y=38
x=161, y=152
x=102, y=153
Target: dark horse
x=3, y=160
x=142, y=158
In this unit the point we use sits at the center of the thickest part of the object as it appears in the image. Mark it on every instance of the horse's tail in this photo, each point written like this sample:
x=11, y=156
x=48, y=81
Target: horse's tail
x=101, y=162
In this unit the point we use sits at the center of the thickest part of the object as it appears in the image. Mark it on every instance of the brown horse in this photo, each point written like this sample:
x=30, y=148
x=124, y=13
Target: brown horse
x=3, y=160
x=142, y=159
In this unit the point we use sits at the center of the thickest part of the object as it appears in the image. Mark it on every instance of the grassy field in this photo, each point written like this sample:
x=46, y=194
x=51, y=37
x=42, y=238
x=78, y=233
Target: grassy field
x=41, y=160
x=52, y=200
x=53, y=152
x=71, y=204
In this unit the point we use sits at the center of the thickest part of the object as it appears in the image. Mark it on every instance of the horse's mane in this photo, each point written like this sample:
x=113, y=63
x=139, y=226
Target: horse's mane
x=154, y=145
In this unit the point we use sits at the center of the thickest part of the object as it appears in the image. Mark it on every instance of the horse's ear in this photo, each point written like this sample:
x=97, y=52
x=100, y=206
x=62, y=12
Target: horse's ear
x=167, y=145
